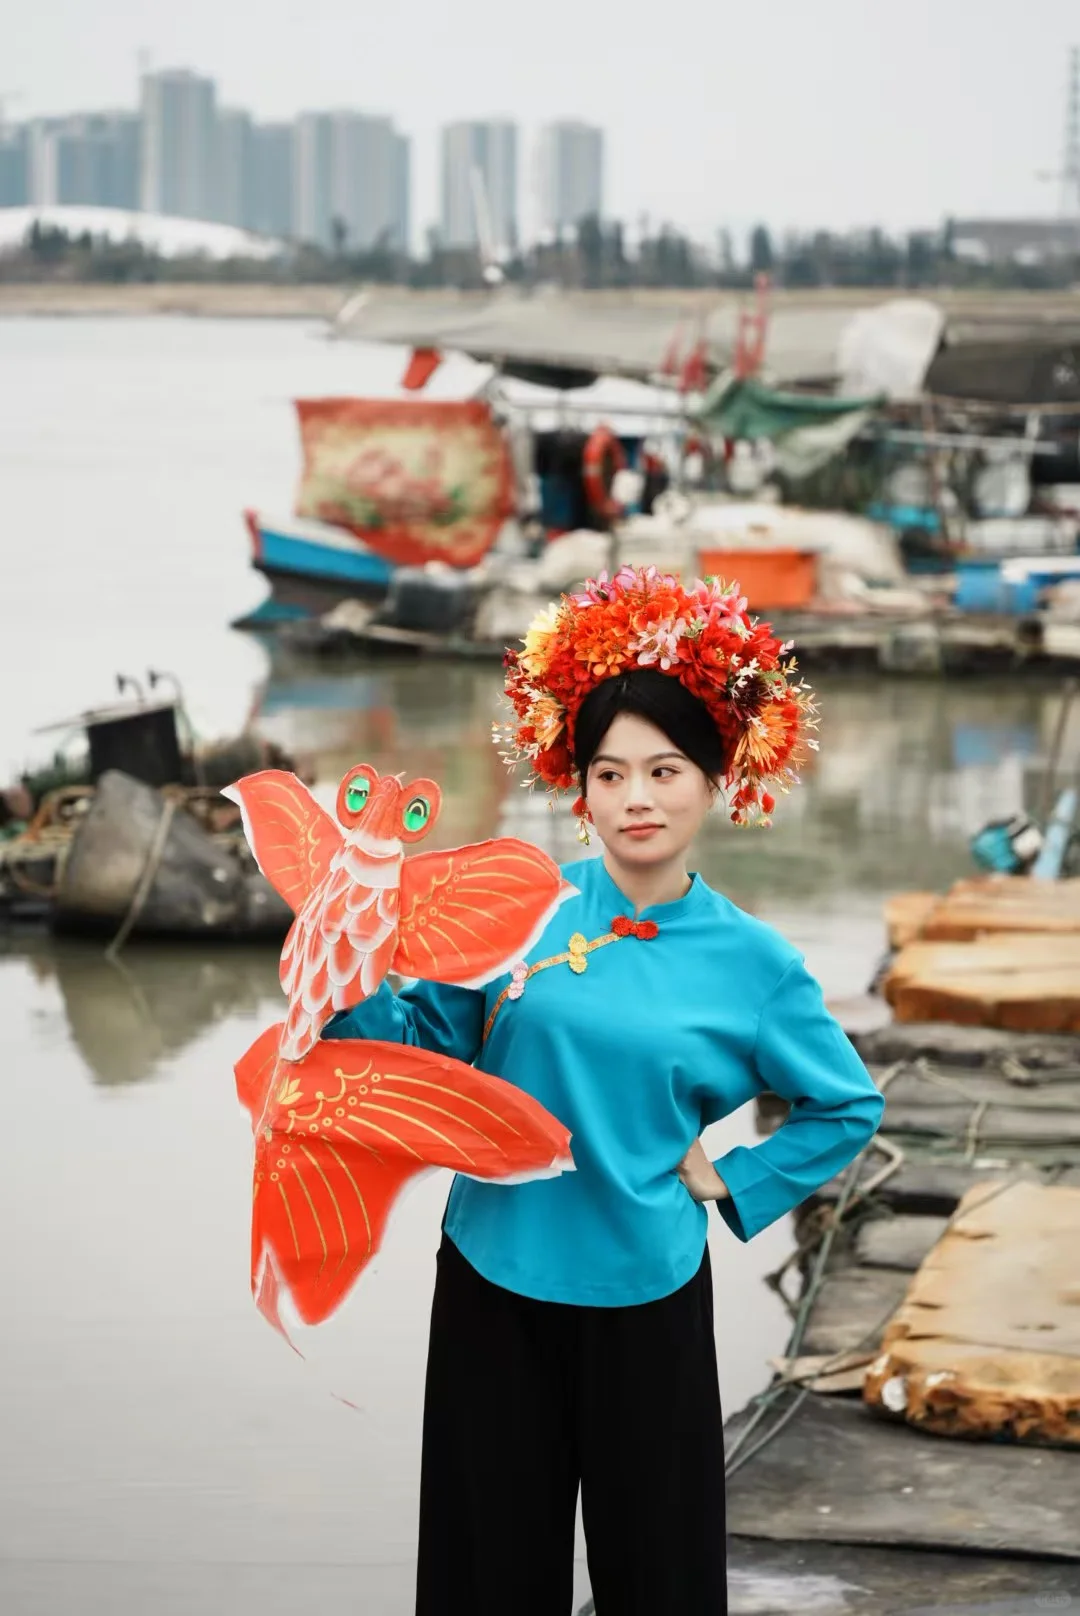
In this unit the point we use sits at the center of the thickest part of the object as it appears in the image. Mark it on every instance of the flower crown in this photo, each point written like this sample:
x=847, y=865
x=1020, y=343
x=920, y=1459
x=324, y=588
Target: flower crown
x=703, y=636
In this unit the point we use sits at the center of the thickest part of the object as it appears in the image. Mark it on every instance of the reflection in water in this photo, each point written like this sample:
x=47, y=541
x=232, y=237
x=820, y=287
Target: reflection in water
x=907, y=771
x=127, y=1016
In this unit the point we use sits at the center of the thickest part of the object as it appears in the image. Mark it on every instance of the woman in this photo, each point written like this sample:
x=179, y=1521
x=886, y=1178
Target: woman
x=572, y=1330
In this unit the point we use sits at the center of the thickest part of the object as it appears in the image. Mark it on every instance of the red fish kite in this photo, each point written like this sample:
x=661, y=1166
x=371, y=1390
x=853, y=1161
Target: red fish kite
x=341, y=1125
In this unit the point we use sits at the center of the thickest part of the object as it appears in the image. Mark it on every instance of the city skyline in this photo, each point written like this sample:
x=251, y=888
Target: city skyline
x=839, y=115
x=327, y=177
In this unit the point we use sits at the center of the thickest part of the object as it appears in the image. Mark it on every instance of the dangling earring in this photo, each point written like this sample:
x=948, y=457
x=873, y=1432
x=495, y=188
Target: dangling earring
x=581, y=809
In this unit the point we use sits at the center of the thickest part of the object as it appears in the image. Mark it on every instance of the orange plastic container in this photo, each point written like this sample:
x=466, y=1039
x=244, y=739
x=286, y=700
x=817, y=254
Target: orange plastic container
x=769, y=579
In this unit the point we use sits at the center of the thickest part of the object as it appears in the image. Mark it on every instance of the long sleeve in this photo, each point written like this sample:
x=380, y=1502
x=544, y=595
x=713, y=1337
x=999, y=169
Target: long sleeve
x=446, y=1020
x=802, y=1054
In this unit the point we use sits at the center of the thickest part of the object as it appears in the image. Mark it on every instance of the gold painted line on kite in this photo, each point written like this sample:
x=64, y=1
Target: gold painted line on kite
x=288, y=1214
x=483, y=941
x=507, y=875
x=443, y=1112
x=352, y=1077
x=442, y=1088
x=356, y=1188
x=286, y=807
x=340, y=1128
x=464, y=957
x=364, y=1123
x=420, y=938
x=318, y=1224
x=333, y=1198
x=369, y=1105
x=503, y=859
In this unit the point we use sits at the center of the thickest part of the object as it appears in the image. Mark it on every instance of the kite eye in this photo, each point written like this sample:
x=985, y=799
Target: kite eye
x=357, y=793
x=416, y=814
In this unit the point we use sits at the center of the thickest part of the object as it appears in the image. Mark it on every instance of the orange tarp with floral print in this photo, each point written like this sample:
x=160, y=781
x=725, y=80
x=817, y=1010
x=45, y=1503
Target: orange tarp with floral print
x=416, y=481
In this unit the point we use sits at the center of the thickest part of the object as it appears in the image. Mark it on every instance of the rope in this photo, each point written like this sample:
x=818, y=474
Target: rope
x=774, y=1393
x=150, y=869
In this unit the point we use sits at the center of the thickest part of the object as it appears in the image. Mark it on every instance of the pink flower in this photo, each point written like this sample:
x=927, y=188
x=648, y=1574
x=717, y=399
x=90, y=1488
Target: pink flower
x=661, y=645
x=596, y=591
x=518, y=976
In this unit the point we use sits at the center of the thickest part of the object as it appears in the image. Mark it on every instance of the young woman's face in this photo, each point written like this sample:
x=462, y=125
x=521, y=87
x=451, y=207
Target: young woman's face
x=646, y=798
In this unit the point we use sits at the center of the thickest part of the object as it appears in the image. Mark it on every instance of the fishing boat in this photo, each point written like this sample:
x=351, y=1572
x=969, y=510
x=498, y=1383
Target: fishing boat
x=129, y=835
x=310, y=566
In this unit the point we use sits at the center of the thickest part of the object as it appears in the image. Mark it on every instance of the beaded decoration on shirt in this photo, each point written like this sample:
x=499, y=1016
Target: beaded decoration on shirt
x=576, y=956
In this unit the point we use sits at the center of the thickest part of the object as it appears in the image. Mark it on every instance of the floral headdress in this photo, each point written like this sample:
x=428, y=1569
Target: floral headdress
x=704, y=637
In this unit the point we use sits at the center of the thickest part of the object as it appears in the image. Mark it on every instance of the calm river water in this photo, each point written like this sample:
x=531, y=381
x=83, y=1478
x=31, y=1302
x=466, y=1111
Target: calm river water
x=163, y=1451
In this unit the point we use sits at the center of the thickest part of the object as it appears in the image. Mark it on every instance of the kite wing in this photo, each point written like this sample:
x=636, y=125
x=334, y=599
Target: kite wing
x=292, y=838
x=467, y=915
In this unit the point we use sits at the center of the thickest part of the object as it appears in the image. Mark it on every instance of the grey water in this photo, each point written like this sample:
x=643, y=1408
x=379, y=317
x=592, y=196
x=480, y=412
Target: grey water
x=160, y=1449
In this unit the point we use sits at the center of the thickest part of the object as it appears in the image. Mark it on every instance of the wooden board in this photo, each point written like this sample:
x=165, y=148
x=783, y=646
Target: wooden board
x=987, y=1341
x=1024, y=983
x=932, y=1087
x=852, y=1309
x=906, y=913
x=923, y=1187
x=838, y=1472
x=1004, y=903
x=842, y=1579
x=947, y=1045
x=898, y=1242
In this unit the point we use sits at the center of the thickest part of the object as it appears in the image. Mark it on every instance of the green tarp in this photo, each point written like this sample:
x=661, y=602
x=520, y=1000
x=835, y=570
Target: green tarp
x=806, y=430
x=749, y=410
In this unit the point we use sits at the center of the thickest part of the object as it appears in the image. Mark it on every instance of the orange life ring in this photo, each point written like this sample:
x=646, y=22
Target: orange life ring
x=602, y=458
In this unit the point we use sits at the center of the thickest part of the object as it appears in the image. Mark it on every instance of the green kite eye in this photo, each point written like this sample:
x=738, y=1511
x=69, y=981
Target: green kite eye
x=417, y=813
x=357, y=794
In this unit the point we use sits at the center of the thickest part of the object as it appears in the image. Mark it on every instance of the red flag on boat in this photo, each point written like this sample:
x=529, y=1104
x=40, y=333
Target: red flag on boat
x=423, y=363
x=694, y=374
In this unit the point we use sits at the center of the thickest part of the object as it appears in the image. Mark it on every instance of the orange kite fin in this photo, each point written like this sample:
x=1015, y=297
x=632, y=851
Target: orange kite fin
x=255, y=1070
x=468, y=914
x=292, y=838
x=344, y=1131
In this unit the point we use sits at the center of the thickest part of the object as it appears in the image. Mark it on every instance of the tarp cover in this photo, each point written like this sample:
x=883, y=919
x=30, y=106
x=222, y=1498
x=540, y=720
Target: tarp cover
x=807, y=429
x=416, y=481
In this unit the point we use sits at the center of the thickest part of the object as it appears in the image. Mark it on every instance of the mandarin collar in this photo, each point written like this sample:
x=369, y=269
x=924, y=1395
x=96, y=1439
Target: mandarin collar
x=660, y=912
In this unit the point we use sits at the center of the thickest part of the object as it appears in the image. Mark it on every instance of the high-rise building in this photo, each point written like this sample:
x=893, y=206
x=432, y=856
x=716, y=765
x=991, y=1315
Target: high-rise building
x=89, y=160
x=479, y=185
x=313, y=207
x=179, y=145
x=570, y=177
x=14, y=164
x=272, y=179
x=233, y=168
x=351, y=181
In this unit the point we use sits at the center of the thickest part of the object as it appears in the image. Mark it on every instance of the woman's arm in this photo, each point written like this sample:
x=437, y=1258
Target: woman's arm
x=446, y=1020
x=802, y=1054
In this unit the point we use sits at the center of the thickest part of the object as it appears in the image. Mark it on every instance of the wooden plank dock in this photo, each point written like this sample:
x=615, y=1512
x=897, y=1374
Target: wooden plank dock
x=839, y=1507
x=1001, y=951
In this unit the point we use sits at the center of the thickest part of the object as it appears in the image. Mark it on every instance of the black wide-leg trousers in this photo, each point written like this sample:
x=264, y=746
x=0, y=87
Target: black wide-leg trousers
x=526, y=1402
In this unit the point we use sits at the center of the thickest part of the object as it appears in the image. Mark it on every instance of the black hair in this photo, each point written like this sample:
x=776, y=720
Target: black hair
x=661, y=699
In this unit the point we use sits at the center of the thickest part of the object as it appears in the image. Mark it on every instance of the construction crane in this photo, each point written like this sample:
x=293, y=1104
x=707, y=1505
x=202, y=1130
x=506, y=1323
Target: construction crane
x=1068, y=176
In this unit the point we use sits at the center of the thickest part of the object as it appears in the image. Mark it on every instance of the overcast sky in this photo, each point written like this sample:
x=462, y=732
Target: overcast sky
x=797, y=112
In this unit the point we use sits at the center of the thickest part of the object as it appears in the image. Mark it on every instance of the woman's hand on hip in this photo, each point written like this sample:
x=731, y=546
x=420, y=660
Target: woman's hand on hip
x=700, y=1176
